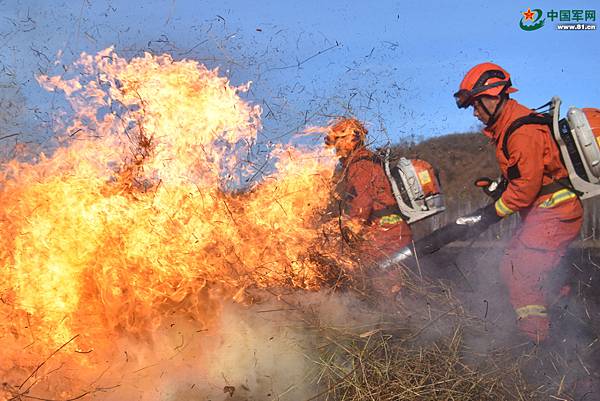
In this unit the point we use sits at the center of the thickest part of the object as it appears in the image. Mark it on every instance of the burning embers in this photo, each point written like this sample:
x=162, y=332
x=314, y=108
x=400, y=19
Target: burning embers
x=128, y=221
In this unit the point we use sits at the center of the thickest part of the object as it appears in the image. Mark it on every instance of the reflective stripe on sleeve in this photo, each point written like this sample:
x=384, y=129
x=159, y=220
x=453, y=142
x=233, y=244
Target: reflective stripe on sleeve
x=390, y=219
x=501, y=208
x=557, y=198
x=531, y=310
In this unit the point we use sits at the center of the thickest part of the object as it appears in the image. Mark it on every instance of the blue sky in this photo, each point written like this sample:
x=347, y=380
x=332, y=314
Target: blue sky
x=394, y=64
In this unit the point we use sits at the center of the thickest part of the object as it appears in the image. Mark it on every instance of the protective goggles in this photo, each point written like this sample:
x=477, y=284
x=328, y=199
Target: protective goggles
x=464, y=98
x=332, y=137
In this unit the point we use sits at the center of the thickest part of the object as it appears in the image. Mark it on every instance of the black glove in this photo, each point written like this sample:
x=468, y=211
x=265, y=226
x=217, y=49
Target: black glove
x=481, y=218
x=462, y=229
x=492, y=188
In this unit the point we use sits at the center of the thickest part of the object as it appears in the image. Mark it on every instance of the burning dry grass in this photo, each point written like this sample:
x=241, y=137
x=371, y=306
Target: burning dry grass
x=135, y=214
x=325, y=346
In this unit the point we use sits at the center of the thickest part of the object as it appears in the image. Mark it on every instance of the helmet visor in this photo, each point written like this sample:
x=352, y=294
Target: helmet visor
x=464, y=98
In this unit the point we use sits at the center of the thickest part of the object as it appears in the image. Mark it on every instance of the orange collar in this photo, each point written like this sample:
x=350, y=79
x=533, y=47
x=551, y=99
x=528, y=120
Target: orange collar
x=505, y=117
x=509, y=113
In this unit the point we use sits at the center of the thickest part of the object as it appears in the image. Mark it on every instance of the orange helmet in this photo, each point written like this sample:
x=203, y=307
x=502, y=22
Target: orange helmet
x=485, y=79
x=345, y=127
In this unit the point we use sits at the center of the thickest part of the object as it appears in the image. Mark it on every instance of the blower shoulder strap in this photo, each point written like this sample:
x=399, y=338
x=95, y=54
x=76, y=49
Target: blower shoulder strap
x=530, y=119
x=373, y=158
x=538, y=119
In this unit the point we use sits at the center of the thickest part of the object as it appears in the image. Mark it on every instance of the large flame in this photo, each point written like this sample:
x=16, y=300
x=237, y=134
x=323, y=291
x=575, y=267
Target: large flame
x=142, y=210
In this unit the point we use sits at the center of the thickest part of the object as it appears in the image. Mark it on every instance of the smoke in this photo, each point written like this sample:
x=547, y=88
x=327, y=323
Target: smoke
x=565, y=364
x=266, y=351
x=257, y=353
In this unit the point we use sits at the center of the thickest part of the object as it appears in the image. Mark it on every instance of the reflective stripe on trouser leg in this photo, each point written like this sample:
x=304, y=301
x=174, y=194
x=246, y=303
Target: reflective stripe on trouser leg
x=531, y=310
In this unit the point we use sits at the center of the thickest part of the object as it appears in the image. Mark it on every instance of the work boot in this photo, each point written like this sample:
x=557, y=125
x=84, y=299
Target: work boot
x=535, y=327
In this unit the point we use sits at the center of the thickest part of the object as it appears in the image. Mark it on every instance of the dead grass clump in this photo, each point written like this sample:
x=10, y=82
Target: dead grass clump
x=381, y=366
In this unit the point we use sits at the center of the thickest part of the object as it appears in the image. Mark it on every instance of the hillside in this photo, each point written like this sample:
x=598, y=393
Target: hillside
x=460, y=159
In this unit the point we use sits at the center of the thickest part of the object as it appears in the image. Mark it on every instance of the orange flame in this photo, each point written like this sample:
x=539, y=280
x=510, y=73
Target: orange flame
x=129, y=220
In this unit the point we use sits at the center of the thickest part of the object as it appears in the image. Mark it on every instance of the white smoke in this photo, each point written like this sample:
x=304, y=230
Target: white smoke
x=267, y=351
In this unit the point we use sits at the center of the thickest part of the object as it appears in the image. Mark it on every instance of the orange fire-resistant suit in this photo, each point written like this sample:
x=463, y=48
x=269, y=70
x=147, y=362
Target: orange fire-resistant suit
x=549, y=222
x=369, y=198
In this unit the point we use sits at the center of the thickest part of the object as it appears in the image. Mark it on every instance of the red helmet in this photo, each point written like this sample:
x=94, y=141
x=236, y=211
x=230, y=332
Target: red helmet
x=485, y=79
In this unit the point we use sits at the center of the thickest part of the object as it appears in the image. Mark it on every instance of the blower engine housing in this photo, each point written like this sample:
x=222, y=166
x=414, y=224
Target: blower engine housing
x=578, y=137
x=416, y=188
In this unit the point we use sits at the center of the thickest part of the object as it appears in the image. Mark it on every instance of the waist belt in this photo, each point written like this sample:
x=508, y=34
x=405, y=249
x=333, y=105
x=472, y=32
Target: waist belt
x=558, y=197
x=562, y=183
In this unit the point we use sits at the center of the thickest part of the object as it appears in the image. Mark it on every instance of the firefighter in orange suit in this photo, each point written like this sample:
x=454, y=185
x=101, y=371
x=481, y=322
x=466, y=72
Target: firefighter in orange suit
x=367, y=197
x=538, y=189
